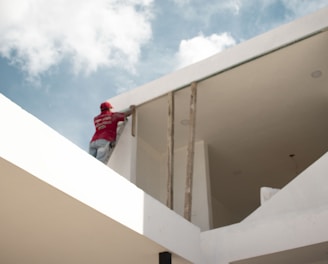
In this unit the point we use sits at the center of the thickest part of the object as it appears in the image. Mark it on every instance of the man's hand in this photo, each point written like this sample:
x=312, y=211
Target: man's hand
x=129, y=112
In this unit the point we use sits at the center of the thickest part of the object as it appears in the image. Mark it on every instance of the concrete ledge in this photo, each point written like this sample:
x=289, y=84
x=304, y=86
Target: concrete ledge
x=308, y=190
x=256, y=238
x=34, y=147
x=241, y=53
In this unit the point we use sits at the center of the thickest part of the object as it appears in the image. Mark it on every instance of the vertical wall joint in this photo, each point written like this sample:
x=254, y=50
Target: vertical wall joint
x=190, y=152
x=170, y=150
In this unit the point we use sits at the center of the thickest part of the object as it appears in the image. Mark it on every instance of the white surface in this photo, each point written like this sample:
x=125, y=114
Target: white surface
x=308, y=190
x=124, y=154
x=152, y=177
x=266, y=193
x=294, y=217
x=256, y=238
x=39, y=150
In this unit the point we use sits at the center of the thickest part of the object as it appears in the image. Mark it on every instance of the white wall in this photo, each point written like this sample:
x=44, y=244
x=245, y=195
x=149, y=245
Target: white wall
x=256, y=238
x=124, y=154
x=308, y=190
x=152, y=177
x=294, y=217
x=201, y=214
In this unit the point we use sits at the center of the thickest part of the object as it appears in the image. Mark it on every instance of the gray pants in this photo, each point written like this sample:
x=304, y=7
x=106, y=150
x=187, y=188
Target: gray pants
x=101, y=149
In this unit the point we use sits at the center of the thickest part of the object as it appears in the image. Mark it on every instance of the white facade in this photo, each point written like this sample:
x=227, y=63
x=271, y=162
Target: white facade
x=60, y=205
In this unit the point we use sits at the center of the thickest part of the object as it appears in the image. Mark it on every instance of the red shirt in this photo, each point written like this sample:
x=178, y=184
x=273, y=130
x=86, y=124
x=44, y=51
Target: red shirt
x=106, y=125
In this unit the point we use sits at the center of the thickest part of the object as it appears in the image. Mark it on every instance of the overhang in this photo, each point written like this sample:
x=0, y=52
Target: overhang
x=262, y=108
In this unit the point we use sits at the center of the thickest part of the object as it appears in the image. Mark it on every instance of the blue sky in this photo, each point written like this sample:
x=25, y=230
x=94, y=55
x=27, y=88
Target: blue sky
x=60, y=59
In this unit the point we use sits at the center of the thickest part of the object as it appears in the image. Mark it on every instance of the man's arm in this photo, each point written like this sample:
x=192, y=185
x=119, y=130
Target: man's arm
x=130, y=111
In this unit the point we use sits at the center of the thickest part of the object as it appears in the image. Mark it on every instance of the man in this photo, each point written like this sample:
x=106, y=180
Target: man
x=104, y=138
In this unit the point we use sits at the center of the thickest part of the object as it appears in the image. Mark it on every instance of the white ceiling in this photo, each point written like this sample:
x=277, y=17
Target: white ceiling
x=253, y=117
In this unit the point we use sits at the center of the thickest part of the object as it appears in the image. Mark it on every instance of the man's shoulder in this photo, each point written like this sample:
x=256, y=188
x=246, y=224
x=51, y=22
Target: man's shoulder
x=100, y=116
x=118, y=115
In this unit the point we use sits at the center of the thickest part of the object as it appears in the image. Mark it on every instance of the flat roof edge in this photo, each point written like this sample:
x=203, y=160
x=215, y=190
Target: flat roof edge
x=50, y=157
x=258, y=46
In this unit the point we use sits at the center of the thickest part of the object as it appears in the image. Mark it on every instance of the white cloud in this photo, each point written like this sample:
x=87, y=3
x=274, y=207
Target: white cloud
x=301, y=8
x=38, y=34
x=235, y=6
x=201, y=47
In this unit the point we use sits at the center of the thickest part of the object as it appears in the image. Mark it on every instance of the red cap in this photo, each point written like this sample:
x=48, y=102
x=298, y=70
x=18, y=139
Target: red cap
x=105, y=106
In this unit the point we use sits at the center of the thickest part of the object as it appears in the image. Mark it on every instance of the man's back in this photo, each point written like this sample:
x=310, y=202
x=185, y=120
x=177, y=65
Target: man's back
x=106, y=125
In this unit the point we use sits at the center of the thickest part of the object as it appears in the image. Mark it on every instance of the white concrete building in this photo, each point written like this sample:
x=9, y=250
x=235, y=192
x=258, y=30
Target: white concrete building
x=260, y=181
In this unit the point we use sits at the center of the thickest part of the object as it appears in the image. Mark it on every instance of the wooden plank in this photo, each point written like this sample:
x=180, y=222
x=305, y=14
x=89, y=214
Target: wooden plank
x=170, y=150
x=133, y=124
x=190, y=153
